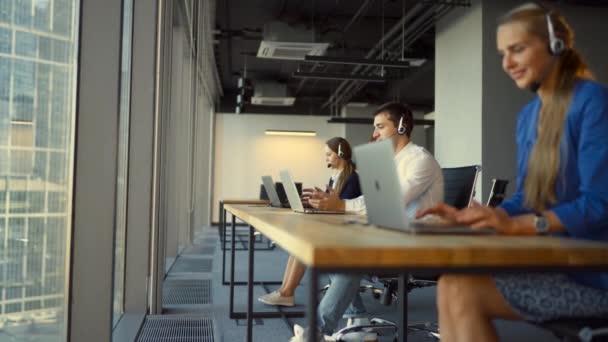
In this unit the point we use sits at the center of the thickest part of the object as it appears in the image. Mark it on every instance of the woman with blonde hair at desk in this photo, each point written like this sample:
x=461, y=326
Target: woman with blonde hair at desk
x=562, y=184
x=345, y=182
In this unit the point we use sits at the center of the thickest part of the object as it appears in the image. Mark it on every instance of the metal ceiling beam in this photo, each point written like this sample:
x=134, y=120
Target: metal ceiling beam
x=355, y=18
x=407, y=63
x=347, y=89
x=338, y=76
x=370, y=121
x=378, y=47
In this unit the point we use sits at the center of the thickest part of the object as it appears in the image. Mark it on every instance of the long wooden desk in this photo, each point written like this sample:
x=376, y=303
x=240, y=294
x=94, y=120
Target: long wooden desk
x=328, y=243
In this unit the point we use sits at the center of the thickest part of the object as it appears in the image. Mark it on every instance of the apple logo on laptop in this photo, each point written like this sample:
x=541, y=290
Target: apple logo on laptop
x=377, y=185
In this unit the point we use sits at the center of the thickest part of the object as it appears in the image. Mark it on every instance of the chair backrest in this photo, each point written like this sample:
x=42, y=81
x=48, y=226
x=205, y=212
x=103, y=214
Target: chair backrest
x=459, y=185
x=497, y=193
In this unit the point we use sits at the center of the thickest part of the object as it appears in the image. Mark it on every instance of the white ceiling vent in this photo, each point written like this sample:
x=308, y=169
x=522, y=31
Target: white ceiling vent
x=271, y=94
x=273, y=101
x=282, y=41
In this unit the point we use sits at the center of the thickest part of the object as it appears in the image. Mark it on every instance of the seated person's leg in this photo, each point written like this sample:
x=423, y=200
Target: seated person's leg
x=340, y=294
x=356, y=308
x=292, y=280
x=294, y=271
x=468, y=304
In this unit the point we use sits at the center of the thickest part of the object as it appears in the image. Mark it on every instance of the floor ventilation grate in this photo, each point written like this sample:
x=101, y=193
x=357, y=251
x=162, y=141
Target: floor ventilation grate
x=187, y=292
x=191, y=265
x=199, y=250
x=177, y=329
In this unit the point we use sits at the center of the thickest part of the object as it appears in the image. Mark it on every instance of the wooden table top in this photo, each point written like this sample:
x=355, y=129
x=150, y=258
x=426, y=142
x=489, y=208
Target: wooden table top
x=330, y=241
x=245, y=201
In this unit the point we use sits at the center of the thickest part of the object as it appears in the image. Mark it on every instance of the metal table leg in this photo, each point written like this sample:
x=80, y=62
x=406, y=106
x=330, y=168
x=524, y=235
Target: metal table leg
x=312, y=304
x=232, y=257
x=250, y=287
x=223, y=227
x=402, y=305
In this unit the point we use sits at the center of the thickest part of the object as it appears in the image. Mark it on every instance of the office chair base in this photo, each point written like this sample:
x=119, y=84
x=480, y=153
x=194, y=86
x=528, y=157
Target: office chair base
x=429, y=328
x=379, y=325
x=376, y=325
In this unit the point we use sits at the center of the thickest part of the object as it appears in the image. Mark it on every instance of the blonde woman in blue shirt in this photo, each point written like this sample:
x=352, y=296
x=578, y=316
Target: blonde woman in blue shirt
x=562, y=184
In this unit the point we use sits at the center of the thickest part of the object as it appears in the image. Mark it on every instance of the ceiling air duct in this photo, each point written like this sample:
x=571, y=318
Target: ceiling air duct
x=269, y=93
x=282, y=41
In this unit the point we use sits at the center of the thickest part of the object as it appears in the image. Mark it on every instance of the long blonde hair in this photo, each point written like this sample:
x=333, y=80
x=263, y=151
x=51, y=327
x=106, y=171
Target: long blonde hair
x=544, y=161
x=347, y=156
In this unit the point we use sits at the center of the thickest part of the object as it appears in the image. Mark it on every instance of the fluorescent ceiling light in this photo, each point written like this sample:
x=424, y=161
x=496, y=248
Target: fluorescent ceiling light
x=291, y=133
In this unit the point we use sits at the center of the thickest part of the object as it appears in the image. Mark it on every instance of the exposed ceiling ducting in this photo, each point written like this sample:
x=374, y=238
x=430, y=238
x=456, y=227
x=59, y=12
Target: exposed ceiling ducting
x=325, y=54
x=271, y=93
x=283, y=41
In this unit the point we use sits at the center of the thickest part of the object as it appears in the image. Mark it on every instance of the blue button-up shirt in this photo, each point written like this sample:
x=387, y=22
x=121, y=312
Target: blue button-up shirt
x=582, y=184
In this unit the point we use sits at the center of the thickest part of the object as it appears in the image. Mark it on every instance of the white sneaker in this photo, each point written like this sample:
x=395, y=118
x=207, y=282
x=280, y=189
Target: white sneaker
x=275, y=298
x=301, y=335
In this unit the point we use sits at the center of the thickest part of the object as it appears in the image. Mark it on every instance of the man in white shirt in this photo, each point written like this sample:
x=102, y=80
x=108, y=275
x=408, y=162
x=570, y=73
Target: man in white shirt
x=419, y=173
x=421, y=183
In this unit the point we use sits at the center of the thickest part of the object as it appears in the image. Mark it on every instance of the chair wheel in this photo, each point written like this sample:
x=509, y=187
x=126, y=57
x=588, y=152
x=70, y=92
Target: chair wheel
x=376, y=295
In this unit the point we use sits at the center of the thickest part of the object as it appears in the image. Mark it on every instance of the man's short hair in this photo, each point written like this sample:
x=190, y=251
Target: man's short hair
x=396, y=111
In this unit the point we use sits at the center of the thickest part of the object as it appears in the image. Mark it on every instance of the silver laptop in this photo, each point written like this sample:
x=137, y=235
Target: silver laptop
x=383, y=197
x=294, y=198
x=271, y=191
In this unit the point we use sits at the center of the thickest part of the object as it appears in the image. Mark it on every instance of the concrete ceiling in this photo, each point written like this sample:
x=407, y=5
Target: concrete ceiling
x=240, y=26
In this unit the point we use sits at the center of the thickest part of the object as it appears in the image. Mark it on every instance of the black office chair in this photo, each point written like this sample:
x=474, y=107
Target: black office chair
x=459, y=191
x=497, y=192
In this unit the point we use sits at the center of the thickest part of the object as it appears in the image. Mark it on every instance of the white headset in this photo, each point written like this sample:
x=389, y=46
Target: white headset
x=340, y=153
x=556, y=44
x=402, y=128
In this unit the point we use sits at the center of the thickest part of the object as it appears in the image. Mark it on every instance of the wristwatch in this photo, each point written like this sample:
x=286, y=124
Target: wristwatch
x=541, y=224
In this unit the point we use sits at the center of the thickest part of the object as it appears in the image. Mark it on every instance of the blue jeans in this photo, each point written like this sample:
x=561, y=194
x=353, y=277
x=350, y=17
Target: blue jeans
x=342, y=294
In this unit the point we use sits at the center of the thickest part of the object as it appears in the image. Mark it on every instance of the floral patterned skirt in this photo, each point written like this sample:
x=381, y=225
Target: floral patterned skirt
x=539, y=297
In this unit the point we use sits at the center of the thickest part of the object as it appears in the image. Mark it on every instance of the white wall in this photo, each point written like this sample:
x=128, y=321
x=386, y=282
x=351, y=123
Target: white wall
x=243, y=153
x=458, y=84
x=458, y=57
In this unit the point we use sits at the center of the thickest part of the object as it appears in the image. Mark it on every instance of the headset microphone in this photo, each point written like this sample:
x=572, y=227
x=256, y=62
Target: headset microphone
x=534, y=86
x=328, y=165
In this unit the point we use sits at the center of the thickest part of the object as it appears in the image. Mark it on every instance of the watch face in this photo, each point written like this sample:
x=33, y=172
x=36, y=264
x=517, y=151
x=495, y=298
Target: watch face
x=542, y=225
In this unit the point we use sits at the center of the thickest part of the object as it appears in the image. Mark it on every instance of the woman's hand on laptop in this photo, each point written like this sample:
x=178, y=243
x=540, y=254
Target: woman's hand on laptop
x=479, y=216
x=445, y=212
x=313, y=193
x=330, y=201
x=476, y=217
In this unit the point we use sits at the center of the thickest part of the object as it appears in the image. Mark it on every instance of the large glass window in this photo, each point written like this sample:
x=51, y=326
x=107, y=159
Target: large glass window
x=38, y=42
x=123, y=163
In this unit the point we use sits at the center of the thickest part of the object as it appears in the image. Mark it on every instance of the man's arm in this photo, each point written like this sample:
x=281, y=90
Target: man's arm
x=417, y=177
